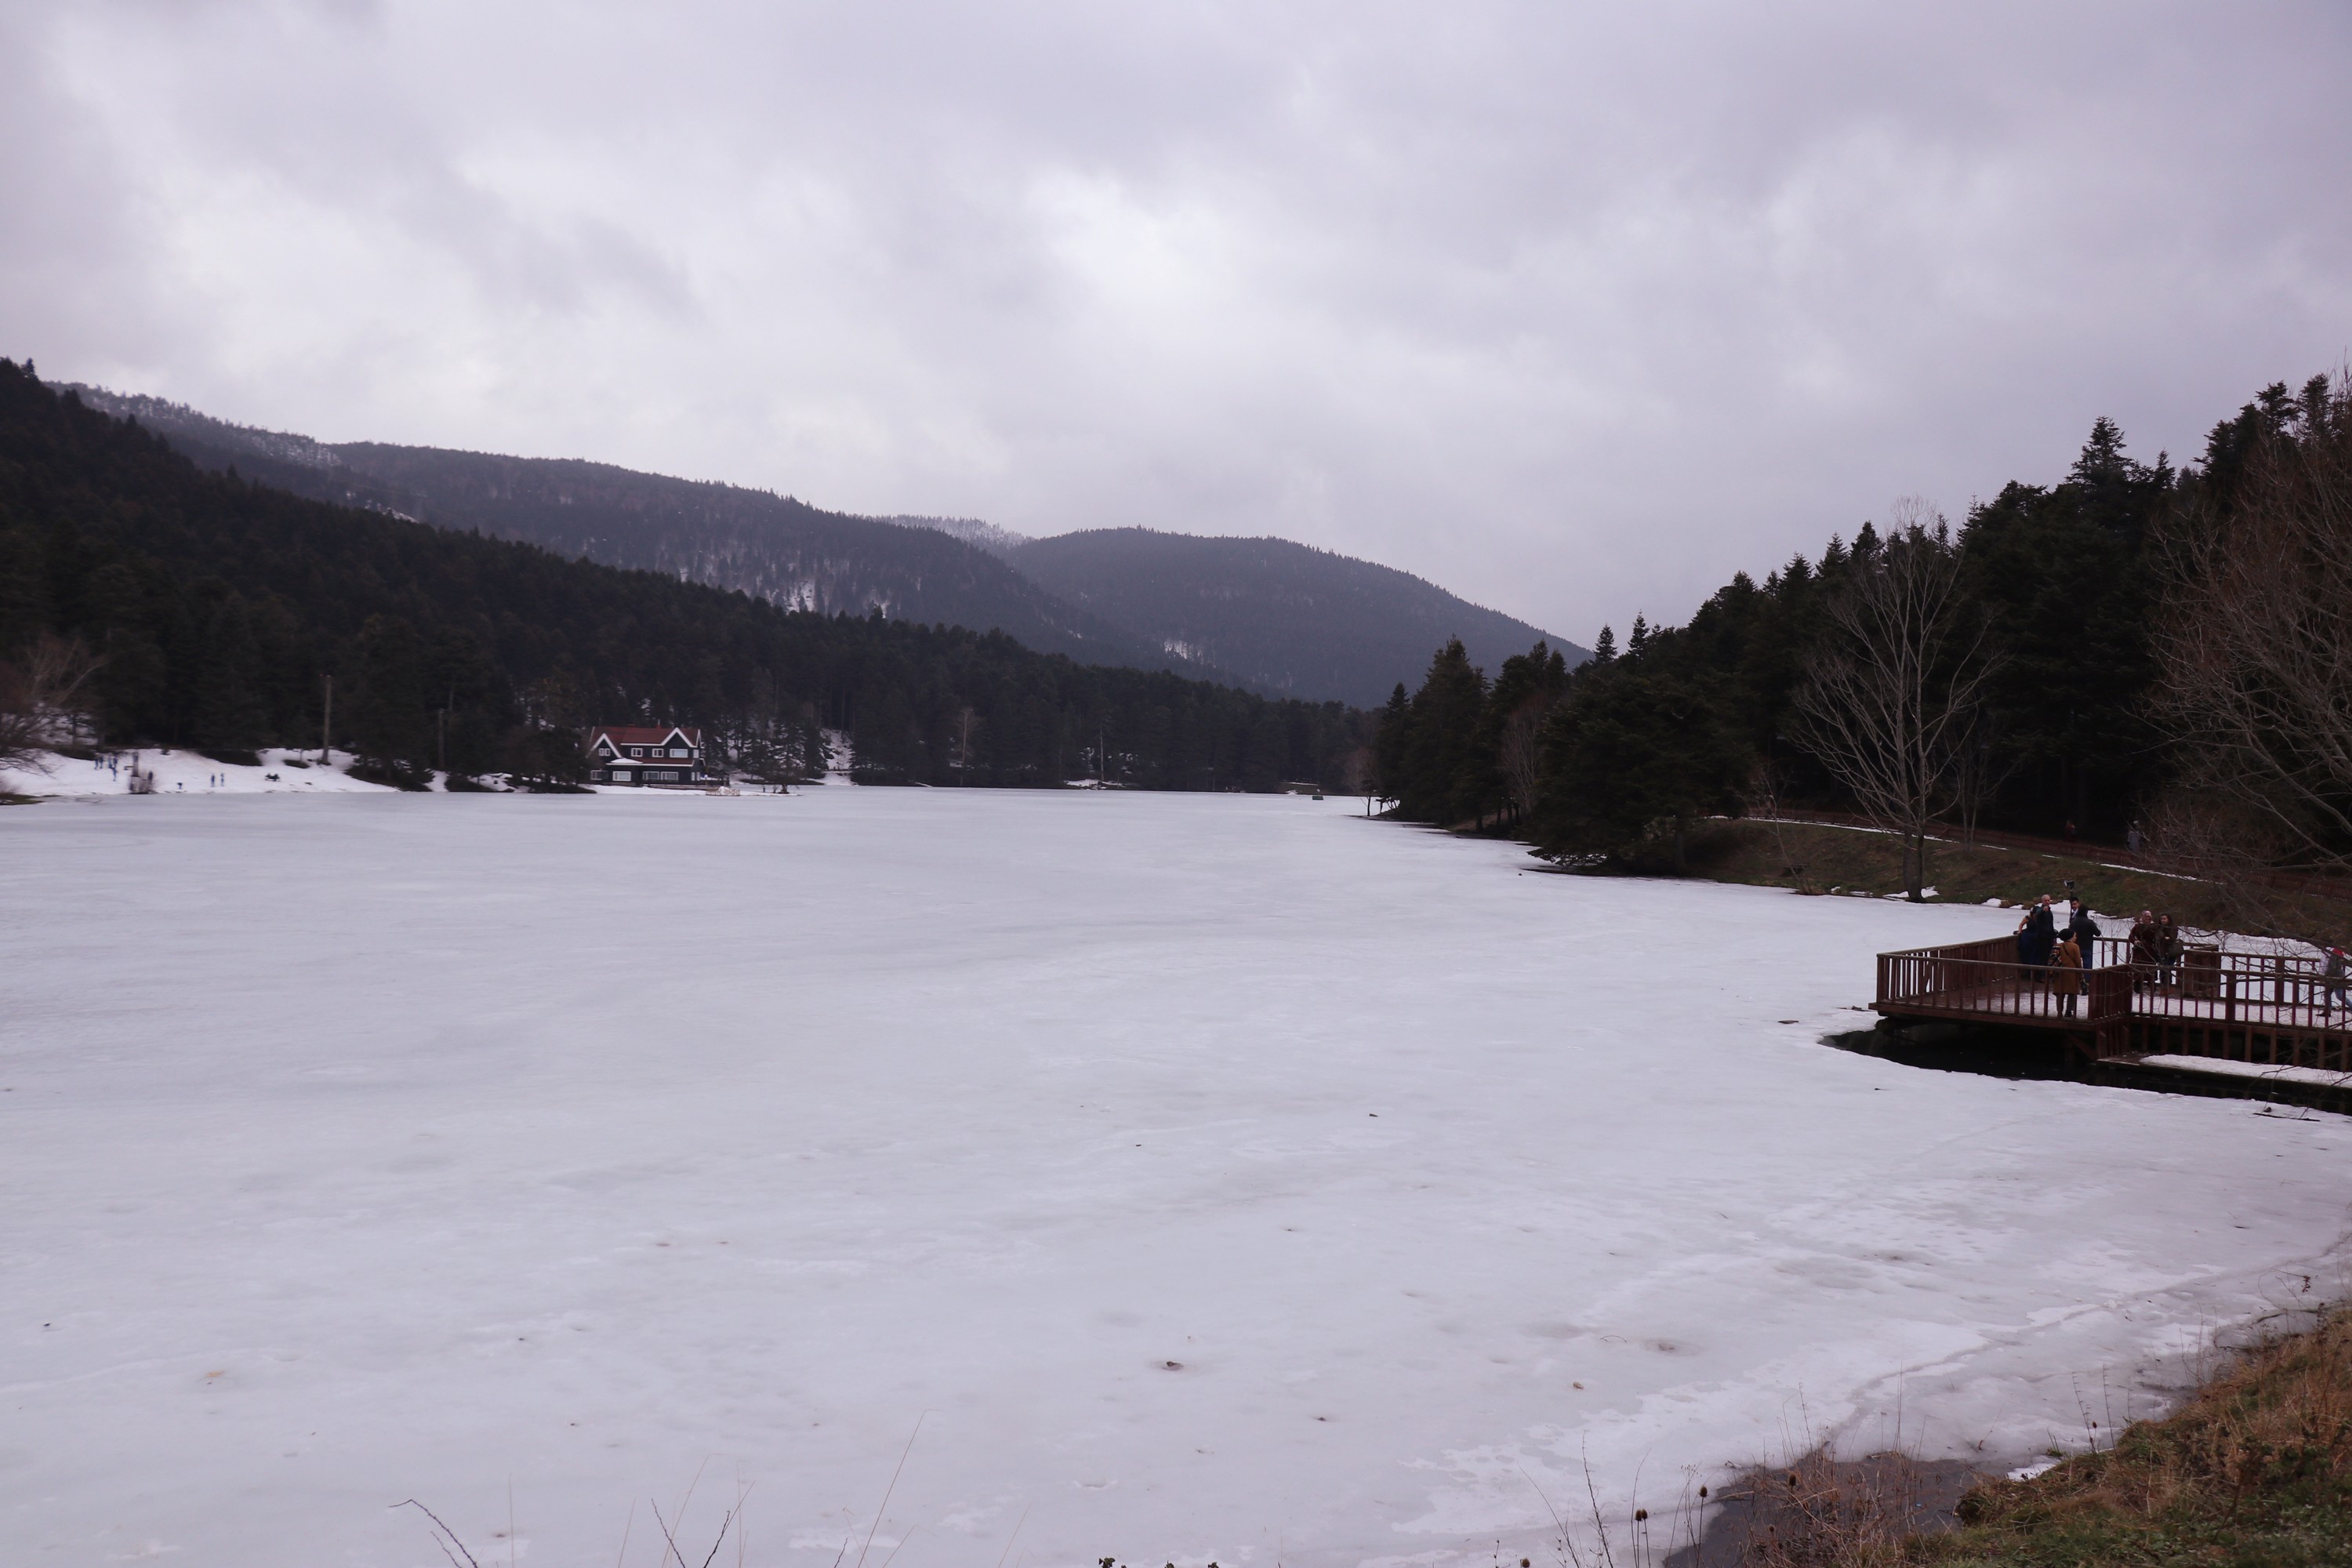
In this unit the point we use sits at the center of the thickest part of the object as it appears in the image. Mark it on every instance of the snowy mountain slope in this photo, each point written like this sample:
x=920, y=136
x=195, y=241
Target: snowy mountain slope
x=998, y=542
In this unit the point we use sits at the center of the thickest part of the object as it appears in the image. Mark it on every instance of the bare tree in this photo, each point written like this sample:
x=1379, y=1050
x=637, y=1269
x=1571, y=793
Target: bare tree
x=967, y=731
x=1761, y=802
x=2254, y=640
x=1898, y=680
x=1980, y=766
x=41, y=695
x=1520, y=754
x=1360, y=774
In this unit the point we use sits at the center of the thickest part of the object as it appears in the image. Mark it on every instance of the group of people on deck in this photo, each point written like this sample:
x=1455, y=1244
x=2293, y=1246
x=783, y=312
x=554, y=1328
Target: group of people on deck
x=2058, y=954
x=2155, y=950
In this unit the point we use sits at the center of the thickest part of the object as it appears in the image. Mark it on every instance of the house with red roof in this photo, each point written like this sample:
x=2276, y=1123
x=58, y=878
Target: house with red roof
x=646, y=754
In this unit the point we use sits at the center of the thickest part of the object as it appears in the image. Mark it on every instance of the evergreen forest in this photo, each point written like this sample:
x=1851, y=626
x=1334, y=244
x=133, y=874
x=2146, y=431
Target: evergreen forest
x=217, y=614
x=2056, y=605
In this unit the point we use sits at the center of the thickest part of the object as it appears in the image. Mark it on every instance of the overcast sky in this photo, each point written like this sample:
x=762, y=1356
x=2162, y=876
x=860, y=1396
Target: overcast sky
x=1574, y=310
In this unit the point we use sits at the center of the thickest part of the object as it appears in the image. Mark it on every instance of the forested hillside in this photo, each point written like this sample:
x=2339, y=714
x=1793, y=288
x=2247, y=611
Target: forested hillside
x=2027, y=666
x=215, y=607
x=771, y=547
x=1279, y=618
x=1284, y=616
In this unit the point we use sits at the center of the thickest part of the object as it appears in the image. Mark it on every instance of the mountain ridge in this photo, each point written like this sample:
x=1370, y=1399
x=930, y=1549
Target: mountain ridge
x=1286, y=617
x=776, y=548
x=1267, y=615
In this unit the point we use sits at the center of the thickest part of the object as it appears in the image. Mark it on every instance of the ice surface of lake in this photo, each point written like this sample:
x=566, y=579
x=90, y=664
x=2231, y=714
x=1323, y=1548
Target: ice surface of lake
x=1210, y=1177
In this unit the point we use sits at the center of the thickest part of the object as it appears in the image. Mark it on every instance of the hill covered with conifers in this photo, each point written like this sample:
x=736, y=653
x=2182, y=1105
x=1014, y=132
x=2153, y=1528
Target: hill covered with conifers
x=217, y=606
x=1284, y=618
x=1274, y=616
x=2041, y=691
x=771, y=547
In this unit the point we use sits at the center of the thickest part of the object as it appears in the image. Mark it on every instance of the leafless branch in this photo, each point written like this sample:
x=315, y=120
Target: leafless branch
x=1892, y=691
x=41, y=695
x=2254, y=640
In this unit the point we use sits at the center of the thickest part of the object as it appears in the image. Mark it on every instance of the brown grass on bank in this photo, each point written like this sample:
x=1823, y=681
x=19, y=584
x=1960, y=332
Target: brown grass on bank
x=2256, y=1469
x=1815, y=857
x=1820, y=1512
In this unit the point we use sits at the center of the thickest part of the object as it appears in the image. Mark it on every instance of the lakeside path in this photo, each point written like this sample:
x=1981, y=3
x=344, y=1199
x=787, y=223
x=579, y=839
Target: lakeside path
x=379, y=1146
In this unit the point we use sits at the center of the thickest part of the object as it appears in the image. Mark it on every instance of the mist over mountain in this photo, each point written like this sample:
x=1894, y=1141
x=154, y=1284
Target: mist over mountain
x=775, y=548
x=971, y=529
x=1286, y=617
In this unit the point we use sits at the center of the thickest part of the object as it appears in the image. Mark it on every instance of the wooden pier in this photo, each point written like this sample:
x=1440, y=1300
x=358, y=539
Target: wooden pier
x=2266, y=1010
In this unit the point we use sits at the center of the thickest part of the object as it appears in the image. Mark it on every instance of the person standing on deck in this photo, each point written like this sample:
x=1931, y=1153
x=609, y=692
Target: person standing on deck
x=2335, y=976
x=2037, y=935
x=2066, y=972
x=2143, y=951
x=2168, y=950
x=2086, y=931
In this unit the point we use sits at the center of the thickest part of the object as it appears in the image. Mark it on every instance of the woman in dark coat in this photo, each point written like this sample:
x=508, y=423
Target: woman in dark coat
x=2037, y=935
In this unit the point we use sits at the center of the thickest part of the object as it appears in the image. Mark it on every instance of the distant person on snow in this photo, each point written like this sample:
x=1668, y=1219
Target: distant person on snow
x=2066, y=972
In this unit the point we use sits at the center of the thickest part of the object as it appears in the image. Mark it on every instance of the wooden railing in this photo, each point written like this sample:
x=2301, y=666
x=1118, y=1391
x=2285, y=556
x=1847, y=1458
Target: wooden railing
x=2207, y=986
x=2249, y=988
x=1984, y=979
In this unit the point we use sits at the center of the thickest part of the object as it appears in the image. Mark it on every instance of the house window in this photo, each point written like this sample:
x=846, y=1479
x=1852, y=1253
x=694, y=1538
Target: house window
x=620, y=776
x=679, y=751
x=637, y=751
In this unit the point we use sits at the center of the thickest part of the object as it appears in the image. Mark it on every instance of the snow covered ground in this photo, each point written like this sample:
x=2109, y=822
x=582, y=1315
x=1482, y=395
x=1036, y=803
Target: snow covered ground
x=1208, y=1177
x=182, y=772
x=2226, y=1069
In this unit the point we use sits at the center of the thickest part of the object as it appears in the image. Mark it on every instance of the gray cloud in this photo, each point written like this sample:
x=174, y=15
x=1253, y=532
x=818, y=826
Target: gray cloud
x=1572, y=309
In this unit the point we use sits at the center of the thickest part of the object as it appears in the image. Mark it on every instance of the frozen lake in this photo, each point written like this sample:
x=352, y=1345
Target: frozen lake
x=1209, y=1177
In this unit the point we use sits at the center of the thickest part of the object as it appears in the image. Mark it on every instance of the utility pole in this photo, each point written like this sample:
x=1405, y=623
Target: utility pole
x=327, y=727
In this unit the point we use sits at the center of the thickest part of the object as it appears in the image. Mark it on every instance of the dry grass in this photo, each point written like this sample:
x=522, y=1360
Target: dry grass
x=2256, y=1469
x=1820, y=1512
x=1768, y=854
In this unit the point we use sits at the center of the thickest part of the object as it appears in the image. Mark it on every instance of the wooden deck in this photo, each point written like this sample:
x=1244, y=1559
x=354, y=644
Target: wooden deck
x=2243, y=1007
